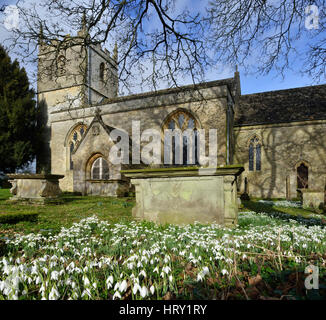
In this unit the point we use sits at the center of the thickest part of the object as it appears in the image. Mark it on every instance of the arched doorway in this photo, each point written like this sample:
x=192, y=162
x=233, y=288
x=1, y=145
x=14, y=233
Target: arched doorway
x=302, y=176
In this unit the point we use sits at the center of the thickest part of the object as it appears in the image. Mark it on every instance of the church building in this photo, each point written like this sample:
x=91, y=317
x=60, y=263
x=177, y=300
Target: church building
x=278, y=136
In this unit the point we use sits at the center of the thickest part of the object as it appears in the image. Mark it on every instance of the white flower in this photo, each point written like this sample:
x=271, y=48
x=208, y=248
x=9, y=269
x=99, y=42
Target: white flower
x=123, y=286
x=143, y=292
x=109, y=281
x=54, y=294
x=142, y=273
x=86, y=292
x=117, y=285
x=152, y=289
x=42, y=289
x=166, y=269
x=54, y=275
x=34, y=270
x=205, y=271
x=136, y=288
x=86, y=281
x=116, y=295
x=200, y=277
x=170, y=278
x=224, y=271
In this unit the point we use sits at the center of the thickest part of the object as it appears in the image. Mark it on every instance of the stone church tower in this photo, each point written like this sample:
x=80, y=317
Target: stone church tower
x=71, y=76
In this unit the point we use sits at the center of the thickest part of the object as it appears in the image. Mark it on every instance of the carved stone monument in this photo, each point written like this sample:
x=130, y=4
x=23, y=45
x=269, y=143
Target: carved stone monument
x=35, y=188
x=186, y=194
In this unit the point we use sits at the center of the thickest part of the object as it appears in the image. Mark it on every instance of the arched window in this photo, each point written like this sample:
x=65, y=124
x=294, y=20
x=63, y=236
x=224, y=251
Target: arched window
x=102, y=69
x=74, y=139
x=100, y=169
x=186, y=147
x=254, y=154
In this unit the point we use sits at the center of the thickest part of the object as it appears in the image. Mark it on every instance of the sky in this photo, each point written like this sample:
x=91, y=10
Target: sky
x=250, y=83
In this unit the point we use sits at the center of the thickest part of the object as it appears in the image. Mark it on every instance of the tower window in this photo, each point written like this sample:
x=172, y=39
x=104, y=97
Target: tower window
x=61, y=65
x=102, y=68
x=254, y=154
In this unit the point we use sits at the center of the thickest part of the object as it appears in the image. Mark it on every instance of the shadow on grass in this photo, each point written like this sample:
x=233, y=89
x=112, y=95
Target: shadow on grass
x=276, y=213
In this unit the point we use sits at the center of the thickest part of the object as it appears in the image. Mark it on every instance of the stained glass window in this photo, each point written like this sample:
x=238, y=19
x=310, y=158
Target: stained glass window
x=255, y=154
x=74, y=139
x=182, y=120
x=251, y=157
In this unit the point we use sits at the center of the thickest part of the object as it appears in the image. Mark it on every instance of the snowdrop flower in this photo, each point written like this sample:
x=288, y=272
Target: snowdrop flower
x=116, y=295
x=86, y=281
x=86, y=292
x=170, y=278
x=143, y=292
x=54, y=275
x=117, y=285
x=166, y=269
x=136, y=288
x=54, y=294
x=123, y=286
x=152, y=289
x=2, y=285
x=224, y=271
x=34, y=270
x=42, y=289
x=156, y=270
x=205, y=271
x=142, y=273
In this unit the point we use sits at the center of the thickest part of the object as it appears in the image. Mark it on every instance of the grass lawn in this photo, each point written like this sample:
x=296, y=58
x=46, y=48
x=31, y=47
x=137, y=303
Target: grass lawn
x=74, y=208
x=102, y=253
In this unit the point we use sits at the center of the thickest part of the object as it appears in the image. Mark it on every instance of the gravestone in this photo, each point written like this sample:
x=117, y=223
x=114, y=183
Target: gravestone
x=35, y=188
x=186, y=195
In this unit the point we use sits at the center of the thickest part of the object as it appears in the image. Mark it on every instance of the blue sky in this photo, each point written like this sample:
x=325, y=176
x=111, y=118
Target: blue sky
x=250, y=83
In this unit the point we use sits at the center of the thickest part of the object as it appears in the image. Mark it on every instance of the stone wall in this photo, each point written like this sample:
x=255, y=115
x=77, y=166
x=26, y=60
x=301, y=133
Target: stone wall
x=284, y=146
x=209, y=107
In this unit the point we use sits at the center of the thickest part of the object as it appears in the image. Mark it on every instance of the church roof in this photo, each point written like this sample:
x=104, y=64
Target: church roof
x=229, y=82
x=298, y=104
